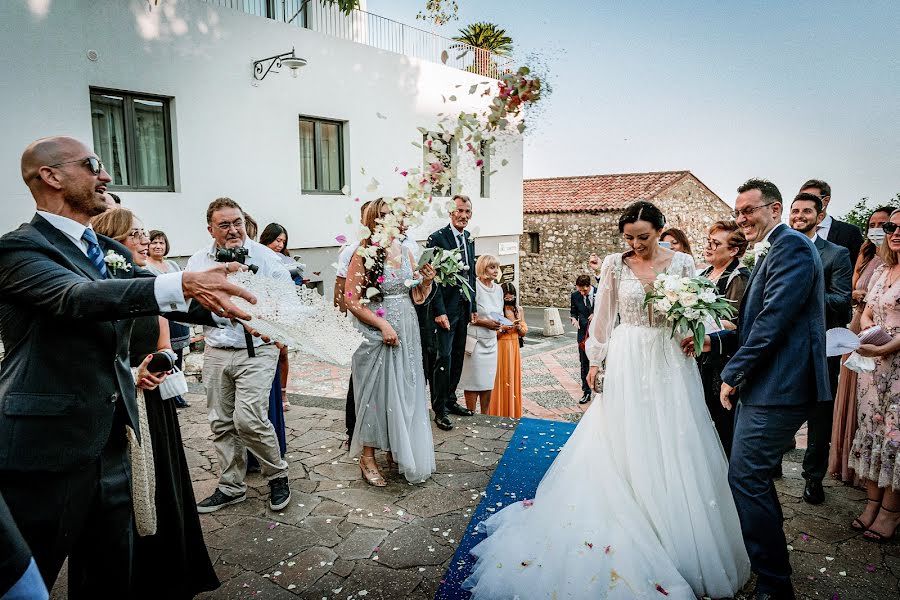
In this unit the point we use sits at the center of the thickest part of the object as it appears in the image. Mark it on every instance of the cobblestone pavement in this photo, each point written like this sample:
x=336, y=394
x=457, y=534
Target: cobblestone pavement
x=342, y=539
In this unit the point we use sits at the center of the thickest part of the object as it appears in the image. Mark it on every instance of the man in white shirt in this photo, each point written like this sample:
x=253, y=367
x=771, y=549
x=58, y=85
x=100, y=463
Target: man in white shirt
x=237, y=378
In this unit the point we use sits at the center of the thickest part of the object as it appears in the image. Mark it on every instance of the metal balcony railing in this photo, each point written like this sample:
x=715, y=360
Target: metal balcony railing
x=376, y=31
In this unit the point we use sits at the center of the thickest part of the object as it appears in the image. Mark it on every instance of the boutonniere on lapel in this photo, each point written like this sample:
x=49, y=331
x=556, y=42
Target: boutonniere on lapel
x=115, y=261
x=758, y=253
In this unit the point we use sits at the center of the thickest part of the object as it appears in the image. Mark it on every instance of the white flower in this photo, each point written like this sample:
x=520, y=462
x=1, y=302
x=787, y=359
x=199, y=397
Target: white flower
x=115, y=261
x=672, y=295
x=708, y=296
x=761, y=248
x=687, y=299
x=673, y=283
x=663, y=305
x=691, y=314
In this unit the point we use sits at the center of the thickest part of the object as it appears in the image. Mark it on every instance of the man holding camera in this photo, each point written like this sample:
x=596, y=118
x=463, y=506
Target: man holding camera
x=238, y=371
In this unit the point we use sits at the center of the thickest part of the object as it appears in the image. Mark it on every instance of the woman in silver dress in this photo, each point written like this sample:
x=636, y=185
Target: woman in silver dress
x=388, y=380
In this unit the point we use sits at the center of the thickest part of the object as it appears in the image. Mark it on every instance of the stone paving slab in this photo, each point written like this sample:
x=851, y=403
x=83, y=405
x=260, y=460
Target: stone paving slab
x=396, y=542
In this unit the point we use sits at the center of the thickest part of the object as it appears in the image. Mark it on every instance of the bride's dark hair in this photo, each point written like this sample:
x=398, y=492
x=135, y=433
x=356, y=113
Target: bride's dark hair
x=642, y=211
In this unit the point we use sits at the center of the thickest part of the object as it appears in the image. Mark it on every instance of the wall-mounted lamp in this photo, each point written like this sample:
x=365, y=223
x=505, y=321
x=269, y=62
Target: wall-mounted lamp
x=286, y=59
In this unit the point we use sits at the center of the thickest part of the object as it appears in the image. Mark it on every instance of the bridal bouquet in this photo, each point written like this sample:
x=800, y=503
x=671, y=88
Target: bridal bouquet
x=451, y=270
x=689, y=303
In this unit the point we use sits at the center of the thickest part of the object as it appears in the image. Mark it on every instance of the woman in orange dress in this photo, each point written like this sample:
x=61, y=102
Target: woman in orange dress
x=506, y=399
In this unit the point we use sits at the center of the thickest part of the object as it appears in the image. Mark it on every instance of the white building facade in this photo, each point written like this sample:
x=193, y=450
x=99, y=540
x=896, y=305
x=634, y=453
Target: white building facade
x=166, y=95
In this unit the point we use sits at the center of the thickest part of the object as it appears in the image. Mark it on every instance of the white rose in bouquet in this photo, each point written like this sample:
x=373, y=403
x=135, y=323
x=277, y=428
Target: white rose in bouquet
x=708, y=296
x=671, y=296
x=693, y=315
x=688, y=299
x=663, y=305
x=672, y=284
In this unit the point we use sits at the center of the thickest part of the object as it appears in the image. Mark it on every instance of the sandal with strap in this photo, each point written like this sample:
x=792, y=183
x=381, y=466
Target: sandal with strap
x=370, y=472
x=391, y=464
x=858, y=525
x=874, y=536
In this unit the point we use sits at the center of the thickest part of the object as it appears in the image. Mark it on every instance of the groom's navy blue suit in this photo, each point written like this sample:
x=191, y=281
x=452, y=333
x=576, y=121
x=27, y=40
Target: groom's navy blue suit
x=780, y=367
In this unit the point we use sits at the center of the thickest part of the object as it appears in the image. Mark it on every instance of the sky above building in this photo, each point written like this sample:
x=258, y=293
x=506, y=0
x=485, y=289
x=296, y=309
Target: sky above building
x=726, y=89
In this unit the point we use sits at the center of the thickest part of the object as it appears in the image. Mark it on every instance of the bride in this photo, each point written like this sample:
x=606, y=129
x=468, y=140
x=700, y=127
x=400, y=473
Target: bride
x=637, y=504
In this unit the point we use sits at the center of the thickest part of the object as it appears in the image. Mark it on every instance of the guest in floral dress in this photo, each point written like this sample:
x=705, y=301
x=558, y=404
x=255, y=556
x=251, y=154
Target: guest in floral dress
x=843, y=428
x=874, y=455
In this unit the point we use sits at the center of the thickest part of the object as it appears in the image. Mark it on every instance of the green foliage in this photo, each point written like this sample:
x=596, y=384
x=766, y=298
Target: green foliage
x=486, y=36
x=859, y=214
x=438, y=11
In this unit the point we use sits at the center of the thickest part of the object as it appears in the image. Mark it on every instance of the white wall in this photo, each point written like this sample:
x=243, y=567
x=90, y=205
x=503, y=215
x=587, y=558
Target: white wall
x=231, y=138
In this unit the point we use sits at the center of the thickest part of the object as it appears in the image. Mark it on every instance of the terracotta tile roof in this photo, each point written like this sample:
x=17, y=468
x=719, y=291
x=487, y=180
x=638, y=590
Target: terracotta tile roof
x=595, y=193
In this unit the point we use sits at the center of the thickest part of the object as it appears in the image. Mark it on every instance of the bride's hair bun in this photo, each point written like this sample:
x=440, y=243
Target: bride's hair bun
x=642, y=211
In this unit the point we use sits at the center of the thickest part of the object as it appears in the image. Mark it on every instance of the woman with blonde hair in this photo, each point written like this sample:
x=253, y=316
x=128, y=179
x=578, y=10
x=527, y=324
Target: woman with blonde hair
x=480, y=363
x=388, y=378
x=172, y=561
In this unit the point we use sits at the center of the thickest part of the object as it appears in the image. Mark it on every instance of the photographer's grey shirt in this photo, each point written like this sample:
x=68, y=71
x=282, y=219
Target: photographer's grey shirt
x=232, y=336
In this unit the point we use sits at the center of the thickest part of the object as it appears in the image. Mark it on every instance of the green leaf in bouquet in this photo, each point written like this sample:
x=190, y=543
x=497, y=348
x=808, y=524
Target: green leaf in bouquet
x=699, y=334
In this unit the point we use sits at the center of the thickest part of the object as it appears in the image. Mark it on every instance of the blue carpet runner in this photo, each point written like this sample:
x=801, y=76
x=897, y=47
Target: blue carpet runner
x=530, y=453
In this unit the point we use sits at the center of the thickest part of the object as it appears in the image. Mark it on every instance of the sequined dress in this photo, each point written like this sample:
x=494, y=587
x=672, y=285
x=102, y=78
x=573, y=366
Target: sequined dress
x=389, y=386
x=637, y=504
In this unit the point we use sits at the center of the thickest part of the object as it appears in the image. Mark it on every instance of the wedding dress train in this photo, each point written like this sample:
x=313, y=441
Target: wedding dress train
x=637, y=504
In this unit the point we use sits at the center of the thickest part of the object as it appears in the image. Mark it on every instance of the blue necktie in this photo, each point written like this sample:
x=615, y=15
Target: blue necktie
x=94, y=252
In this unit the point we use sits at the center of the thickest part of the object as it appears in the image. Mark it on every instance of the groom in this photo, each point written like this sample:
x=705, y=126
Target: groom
x=780, y=369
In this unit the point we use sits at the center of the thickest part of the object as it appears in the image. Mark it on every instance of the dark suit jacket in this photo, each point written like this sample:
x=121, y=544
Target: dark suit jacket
x=579, y=310
x=451, y=301
x=66, y=335
x=846, y=235
x=838, y=272
x=778, y=350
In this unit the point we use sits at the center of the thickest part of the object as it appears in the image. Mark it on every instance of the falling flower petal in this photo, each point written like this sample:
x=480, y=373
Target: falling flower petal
x=380, y=312
x=341, y=239
x=661, y=590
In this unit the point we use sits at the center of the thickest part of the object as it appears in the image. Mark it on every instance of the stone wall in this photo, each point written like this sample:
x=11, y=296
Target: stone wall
x=547, y=278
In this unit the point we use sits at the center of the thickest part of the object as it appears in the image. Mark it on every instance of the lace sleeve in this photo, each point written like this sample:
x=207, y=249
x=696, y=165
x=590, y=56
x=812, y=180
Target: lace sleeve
x=605, y=311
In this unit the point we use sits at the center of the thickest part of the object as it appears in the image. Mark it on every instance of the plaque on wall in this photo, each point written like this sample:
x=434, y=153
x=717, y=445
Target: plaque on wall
x=508, y=248
x=507, y=273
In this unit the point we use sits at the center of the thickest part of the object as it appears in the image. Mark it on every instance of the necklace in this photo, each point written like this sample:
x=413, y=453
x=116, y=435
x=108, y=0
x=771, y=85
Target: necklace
x=890, y=272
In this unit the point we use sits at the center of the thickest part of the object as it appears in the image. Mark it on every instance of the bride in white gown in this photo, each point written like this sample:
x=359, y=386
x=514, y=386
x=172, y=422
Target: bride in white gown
x=637, y=504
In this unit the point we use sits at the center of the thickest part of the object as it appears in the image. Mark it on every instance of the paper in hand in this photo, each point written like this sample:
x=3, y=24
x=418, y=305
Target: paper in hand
x=840, y=341
x=500, y=318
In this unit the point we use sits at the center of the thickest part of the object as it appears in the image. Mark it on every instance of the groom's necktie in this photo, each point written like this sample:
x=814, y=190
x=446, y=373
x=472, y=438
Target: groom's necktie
x=94, y=253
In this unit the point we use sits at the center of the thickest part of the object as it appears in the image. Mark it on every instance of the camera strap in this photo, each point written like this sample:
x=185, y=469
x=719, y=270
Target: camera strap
x=251, y=351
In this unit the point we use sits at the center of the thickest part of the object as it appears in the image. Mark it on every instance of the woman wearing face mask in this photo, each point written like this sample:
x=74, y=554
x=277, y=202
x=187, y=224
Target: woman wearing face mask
x=874, y=455
x=637, y=503
x=506, y=399
x=844, y=425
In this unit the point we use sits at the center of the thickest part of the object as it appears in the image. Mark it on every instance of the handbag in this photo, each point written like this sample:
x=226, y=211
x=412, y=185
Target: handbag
x=175, y=384
x=471, y=342
x=143, y=472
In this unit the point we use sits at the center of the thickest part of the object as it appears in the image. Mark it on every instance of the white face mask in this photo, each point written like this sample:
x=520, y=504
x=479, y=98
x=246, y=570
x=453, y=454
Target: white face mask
x=876, y=235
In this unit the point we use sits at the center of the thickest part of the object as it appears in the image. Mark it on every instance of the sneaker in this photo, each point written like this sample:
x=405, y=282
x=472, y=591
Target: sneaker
x=218, y=500
x=279, y=493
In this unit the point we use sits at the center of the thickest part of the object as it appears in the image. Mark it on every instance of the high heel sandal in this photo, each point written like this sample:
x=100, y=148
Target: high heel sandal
x=874, y=536
x=858, y=525
x=370, y=472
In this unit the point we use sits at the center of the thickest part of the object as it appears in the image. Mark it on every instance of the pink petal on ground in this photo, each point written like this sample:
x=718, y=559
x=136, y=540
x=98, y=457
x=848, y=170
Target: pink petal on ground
x=870, y=568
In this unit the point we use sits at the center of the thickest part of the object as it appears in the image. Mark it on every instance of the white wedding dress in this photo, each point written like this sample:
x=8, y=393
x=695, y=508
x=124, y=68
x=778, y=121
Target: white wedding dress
x=637, y=504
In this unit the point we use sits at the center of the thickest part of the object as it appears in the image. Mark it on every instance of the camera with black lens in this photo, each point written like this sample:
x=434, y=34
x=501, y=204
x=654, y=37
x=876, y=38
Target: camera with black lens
x=238, y=255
